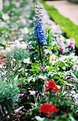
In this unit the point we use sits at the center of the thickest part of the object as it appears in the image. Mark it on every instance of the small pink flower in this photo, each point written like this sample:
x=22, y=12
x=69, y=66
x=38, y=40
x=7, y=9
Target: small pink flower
x=22, y=21
x=71, y=43
x=62, y=49
x=20, y=95
x=42, y=68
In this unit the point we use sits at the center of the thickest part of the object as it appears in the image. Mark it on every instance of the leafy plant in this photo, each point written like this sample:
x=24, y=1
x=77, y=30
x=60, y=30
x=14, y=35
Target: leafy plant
x=9, y=91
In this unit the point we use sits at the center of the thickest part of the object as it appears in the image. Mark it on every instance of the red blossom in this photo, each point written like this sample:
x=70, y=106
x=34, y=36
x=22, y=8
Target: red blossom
x=48, y=109
x=51, y=86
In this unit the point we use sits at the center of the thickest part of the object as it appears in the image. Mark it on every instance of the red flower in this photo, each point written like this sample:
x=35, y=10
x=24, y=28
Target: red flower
x=48, y=109
x=51, y=86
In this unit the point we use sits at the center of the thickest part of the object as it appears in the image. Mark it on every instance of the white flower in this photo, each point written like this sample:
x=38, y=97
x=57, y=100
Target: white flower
x=38, y=118
x=24, y=30
x=18, y=44
x=27, y=61
x=42, y=77
x=32, y=92
x=5, y=16
x=47, y=51
x=52, y=59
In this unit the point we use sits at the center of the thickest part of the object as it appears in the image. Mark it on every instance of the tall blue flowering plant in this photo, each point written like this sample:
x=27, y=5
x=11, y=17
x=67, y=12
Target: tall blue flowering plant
x=39, y=31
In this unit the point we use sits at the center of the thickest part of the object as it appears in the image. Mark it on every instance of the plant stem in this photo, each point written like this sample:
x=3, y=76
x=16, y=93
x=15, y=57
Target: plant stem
x=39, y=45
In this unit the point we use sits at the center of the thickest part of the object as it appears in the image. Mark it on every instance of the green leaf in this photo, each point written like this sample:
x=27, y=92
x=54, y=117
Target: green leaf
x=38, y=118
x=71, y=118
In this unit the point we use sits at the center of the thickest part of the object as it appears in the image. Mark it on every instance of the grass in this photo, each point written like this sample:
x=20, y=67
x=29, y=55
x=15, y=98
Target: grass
x=68, y=26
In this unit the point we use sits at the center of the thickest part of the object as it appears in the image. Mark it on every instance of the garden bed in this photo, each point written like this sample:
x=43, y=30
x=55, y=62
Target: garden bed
x=39, y=74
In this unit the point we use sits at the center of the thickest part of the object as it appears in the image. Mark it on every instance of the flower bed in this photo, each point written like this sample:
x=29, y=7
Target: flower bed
x=40, y=74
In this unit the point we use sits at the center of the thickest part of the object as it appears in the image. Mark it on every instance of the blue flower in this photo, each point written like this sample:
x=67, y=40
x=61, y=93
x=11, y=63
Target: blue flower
x=39, y=32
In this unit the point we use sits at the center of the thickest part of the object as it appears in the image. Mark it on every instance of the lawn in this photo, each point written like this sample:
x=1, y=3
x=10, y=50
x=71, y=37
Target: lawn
x=68, y=26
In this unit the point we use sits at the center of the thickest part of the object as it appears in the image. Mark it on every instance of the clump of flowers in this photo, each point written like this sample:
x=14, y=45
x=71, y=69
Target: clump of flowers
x=51, y=86
x=48, y=109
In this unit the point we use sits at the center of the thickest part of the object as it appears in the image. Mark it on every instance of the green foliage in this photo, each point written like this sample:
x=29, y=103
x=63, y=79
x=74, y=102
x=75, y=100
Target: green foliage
x=8, y=91
x=49, y=36
x=9, y=8
x=18, y=54
x=16, y=65
x=22, y=73
x=2, y=45
x=76, y=73
x=4, y=30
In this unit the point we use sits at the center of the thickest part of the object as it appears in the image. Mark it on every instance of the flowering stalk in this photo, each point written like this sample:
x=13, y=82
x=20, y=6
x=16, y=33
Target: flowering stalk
x=39, y=32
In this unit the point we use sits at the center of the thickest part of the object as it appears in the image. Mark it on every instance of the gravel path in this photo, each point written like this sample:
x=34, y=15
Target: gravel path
x=67, y=9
